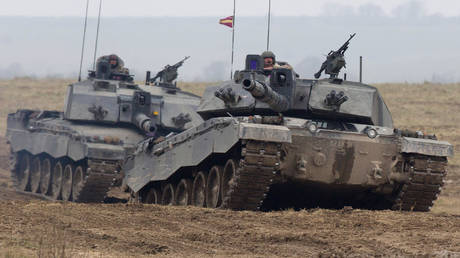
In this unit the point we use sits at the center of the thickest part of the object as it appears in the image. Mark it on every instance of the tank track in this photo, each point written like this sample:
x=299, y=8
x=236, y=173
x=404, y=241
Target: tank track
x=426, y=176
x=13, y=163
x=256, y=172
x=256, y=168
x=99, y=177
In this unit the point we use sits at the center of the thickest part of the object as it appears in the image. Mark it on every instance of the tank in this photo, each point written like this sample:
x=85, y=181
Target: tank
x=271, y=140
x=77, y=155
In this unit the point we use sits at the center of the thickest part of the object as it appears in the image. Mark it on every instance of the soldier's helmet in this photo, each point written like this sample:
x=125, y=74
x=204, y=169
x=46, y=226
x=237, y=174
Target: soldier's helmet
x=268, y=54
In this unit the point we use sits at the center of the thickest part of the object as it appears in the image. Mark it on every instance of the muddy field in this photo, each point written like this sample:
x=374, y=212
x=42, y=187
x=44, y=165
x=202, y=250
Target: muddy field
x=31, y=227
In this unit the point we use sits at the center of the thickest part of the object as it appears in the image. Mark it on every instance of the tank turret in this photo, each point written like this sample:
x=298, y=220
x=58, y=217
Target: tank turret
x=255, y=91
x=148, y=107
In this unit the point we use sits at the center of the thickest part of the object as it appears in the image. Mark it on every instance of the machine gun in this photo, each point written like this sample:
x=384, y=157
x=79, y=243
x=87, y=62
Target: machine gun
x=169, y=73
x=334, y=61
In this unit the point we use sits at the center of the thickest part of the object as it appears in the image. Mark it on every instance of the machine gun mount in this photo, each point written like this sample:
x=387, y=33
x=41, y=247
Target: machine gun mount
x=335, y=61
x=167, y=75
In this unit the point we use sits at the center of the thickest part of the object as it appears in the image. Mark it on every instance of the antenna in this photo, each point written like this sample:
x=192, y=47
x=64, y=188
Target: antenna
x=97, y=34
x=268, y=25
x=83, y=43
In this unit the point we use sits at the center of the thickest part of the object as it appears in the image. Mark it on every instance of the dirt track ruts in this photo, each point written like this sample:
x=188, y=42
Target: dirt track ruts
x=123, y=229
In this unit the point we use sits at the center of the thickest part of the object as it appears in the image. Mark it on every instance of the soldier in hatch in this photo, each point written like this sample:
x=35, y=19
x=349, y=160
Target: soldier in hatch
x=270, y=62
x=116, y=64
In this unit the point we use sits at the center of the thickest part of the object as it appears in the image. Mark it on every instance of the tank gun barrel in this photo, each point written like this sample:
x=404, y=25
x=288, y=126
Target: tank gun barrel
x=264, y=93
x=144, y=123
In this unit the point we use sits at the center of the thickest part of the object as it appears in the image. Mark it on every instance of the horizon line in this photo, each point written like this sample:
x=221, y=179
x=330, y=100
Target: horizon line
x=247, y=16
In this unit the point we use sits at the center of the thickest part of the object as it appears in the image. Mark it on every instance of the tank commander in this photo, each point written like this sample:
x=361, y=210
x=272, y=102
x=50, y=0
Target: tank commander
x=116, y=64
x=111, y=67
x=270, y=62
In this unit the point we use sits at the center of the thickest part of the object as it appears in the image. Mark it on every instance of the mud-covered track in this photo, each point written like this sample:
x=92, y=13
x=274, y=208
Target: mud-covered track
x=254, y=175
x=68, y=180
x=239, y=181
x=99, y=178
x=426, y=175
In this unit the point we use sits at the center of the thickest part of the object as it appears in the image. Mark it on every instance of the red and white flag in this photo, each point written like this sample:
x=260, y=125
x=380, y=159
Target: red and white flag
x=227, y=21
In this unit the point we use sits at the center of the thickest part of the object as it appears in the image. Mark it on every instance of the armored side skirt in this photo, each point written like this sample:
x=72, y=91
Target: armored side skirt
x=216, y=136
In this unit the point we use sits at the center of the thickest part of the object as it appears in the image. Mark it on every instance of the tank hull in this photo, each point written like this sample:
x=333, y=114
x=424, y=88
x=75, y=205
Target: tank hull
x=66, y=160
x=336, y=168
x=352, y=158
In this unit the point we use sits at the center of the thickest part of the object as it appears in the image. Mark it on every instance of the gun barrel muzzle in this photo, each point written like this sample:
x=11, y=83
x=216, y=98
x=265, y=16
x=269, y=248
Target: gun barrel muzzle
x=264, y=93
x=257, y=89
x=144, y=123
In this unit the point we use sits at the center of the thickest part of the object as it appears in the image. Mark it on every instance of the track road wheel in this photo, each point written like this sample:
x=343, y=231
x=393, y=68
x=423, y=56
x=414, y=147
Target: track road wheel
x=35, y=172
x=213, y=187
x=184, y=192
x=23, y=172
x=133, y=197
x=153, y=196
x=78, y=182
x=56, y=180
x=228, y=178
x=167, y=196
x=67, y=177
x=45, y=176
x=199, y=190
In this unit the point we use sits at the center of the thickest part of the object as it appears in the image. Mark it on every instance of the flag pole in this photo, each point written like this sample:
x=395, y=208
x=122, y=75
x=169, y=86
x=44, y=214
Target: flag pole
x=268, y=27
x=233, y=39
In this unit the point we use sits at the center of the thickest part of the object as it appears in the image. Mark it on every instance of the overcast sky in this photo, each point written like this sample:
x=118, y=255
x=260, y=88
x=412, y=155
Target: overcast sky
x=400, y=40
x=211, y=7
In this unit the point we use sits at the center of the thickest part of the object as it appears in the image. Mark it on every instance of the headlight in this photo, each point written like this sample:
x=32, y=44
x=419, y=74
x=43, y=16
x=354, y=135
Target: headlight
x=312, y=127
x=420, y=134
x=371, y=132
